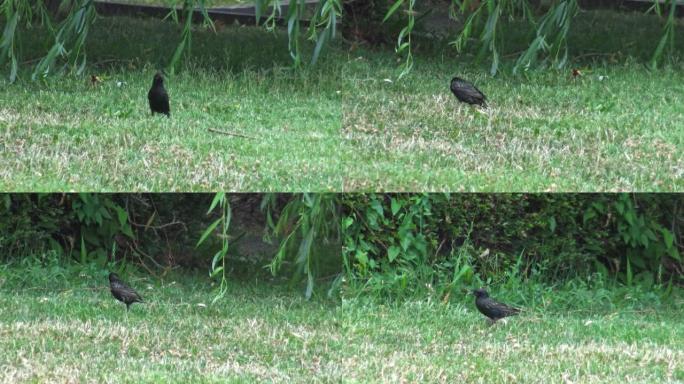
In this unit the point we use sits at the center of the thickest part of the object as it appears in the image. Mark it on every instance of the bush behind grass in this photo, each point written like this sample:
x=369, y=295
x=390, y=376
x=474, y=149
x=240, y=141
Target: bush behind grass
x=389, y=245
x=399, y=245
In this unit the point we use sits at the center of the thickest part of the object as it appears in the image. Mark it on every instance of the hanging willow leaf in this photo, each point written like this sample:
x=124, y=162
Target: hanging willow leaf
x=404, y=38
x=554, y=26
x=218, y=262
x=668, y=35
x=549, y=42
x=393, y=9
x=327, y=12
x=69, y=40
x=305, y=223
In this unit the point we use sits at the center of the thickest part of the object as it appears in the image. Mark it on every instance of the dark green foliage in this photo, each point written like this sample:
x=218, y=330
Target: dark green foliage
x=100, y=228
x=374, y=21
x=68, y=26
x=33, y=223
x=162, y=231
x=397, y=244
x=309, y=232
x=647, y=227
x=365, y=21
x=68, y=23
x=305, y=227
x=393, y=245
x=80, y=226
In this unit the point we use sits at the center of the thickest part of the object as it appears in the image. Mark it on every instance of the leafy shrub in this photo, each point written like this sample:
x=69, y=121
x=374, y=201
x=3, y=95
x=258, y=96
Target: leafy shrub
x=33, y=223
x=405, y=243
x=84, y=227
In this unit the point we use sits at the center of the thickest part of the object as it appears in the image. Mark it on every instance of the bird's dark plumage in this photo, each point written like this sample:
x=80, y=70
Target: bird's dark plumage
x=122, y=292
x=467, y=93
x=157, y=96
x=492, y=308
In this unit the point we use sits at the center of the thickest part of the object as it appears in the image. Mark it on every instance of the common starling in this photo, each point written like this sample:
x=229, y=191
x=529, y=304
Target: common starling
x=157, y=96
x=492, y=308
x=122, y=292
x=467, y=93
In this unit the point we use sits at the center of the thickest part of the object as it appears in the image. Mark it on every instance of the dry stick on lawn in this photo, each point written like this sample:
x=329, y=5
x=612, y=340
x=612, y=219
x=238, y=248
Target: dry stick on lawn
x=230, y=134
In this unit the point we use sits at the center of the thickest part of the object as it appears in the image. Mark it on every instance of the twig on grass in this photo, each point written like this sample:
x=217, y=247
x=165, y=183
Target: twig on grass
x=230, y=134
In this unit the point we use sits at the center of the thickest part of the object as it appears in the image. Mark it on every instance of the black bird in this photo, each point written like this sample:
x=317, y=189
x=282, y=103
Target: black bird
x=157, y=96
x=123, y=292
x=492, y=308
x=466, y=92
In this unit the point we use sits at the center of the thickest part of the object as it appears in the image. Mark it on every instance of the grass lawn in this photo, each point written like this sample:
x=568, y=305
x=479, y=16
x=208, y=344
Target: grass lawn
x=65, y=134
x=620, y=134
x=348, y=123
x=618, y=127
x=80, y=333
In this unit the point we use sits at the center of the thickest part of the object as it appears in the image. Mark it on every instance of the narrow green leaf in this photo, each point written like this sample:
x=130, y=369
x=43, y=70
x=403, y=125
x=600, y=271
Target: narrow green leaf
x=219, y=197
x=218, y=256
x=305, y=247
x=216, y=271
x=209, y=231
x=393, y=9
